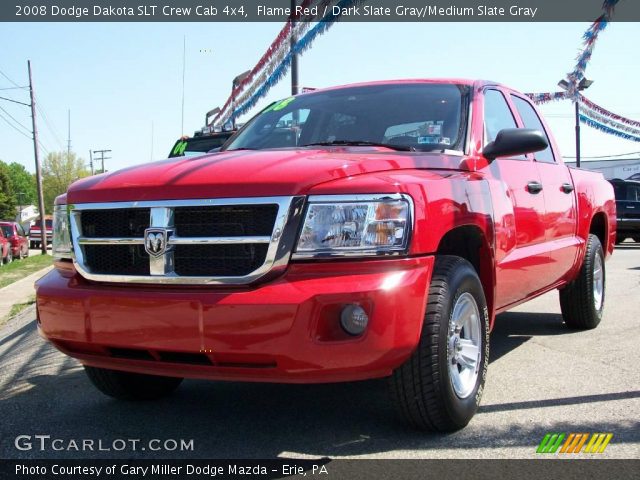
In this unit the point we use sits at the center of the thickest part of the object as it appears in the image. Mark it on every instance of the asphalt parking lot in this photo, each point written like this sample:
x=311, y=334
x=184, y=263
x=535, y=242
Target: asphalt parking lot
x=542, y=378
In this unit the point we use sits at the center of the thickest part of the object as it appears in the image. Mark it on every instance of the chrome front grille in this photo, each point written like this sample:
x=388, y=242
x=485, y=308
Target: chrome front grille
x=212, y=241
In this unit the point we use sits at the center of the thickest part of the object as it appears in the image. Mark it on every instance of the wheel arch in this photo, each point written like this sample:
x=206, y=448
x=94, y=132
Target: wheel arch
x=598, y=227
x=471, y=242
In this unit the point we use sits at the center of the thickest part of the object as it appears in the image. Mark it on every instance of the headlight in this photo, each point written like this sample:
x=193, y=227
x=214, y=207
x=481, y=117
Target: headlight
x=61, y=243
x=358, y=225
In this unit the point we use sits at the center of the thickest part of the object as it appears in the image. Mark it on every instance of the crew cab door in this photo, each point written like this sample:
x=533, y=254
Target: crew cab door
x=559, y=198
x=521, y=257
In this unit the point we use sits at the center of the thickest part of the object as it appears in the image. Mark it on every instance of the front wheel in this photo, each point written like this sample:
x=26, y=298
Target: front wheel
x=9, y=258
x=439, y=387
x=582, y=301
x=131, y=386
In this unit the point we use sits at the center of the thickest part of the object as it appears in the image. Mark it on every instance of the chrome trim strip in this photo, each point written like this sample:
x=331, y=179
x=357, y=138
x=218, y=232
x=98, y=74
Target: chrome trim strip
x=110, y=241
x=216, y=240
x=281, y=242
x=174, y=240
x=201, y=202
x=354, y=252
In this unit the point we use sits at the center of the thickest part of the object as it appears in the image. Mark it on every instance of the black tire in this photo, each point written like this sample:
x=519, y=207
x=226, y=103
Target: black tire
x=9, y=258
x=578, y=300
x=422, y=388
x=131, y=386
x=636, y=238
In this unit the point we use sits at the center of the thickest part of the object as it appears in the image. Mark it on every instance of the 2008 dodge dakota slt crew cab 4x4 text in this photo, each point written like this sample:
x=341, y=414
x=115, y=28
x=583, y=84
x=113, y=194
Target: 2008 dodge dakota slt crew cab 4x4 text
x=372, y=230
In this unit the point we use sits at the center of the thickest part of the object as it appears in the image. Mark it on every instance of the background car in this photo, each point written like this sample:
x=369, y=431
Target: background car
x=628, y=209
x=17, y=237
x=34, y=232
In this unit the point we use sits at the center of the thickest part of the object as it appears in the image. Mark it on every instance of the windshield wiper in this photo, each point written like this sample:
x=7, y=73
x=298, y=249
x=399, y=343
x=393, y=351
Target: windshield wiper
x=362, y=143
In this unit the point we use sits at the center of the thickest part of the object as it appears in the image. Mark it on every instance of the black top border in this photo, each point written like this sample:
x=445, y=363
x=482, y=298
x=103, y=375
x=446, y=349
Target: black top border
x=279, y=10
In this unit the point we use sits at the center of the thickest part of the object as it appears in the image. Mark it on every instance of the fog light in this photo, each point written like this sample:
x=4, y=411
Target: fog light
x=354, y=319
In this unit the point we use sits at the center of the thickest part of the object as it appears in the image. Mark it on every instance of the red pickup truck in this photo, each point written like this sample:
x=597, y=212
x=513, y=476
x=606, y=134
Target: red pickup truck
x=373, y=230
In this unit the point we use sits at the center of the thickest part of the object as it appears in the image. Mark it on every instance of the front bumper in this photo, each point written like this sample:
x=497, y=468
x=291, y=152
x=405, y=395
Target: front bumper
x=286, y=330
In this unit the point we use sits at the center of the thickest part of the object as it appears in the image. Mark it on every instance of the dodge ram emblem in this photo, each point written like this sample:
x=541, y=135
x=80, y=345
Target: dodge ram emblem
x=155, y=241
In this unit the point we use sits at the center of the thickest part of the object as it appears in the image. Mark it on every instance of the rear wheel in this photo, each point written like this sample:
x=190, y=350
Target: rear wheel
x=582, y=301
x=9, y=258
x=440, y=385
x=131, y=386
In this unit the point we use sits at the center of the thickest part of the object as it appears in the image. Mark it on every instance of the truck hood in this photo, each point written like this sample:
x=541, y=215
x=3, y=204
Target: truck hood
x=249, y=173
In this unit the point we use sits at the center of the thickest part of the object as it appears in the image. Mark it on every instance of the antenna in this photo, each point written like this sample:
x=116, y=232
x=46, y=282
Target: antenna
x=184, y=65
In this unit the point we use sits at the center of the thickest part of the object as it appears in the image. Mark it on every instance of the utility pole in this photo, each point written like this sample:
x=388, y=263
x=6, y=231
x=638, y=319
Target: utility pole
x=582, y=85
x=102, y=157
x=91, y=161
x=43, y=228
x=20, y=196
x=294, y=57
x=69, y=135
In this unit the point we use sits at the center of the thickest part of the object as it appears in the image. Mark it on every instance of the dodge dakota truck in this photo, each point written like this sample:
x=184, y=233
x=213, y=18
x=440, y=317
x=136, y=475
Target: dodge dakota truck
x=357, y=232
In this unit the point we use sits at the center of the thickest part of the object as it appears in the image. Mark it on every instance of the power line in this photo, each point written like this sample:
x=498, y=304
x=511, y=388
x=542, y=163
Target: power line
x=15, y=101
x=5, y=76
x=14, y=127
x=14, y=119
x=13, y=88
x=50, y=126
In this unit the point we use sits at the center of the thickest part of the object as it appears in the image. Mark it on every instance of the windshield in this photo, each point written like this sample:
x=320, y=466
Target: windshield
x=408, y=116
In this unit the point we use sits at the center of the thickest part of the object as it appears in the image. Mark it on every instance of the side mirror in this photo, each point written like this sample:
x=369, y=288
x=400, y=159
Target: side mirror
x=515, y=141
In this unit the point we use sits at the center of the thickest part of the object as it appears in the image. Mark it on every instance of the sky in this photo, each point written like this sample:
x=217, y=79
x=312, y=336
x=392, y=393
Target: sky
x=122, y=82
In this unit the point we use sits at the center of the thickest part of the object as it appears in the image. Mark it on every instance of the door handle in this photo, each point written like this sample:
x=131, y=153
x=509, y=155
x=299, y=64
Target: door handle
x=567, y=188
x=534, y=187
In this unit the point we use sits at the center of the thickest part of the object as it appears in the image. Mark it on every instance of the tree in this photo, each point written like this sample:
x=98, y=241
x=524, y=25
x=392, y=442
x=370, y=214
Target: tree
x=23, y=185
x=7, y=199
x=60, y=170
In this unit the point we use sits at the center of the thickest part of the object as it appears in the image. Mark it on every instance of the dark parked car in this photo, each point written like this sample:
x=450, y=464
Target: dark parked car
x=17, y=237
x=628, y=208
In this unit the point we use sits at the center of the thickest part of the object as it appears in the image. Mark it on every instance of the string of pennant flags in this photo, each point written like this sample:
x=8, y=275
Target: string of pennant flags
x=590, y=113
x=276, y=61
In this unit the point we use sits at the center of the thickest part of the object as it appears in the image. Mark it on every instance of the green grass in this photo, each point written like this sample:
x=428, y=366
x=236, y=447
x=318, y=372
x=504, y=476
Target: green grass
x=18, y=307
x=19, y=269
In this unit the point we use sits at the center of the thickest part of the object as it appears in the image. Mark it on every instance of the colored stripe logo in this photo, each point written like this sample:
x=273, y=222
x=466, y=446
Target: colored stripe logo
x=574, y=443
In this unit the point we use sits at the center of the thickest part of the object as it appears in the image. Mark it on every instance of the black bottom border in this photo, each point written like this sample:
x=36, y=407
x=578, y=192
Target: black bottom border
x=324, y=468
